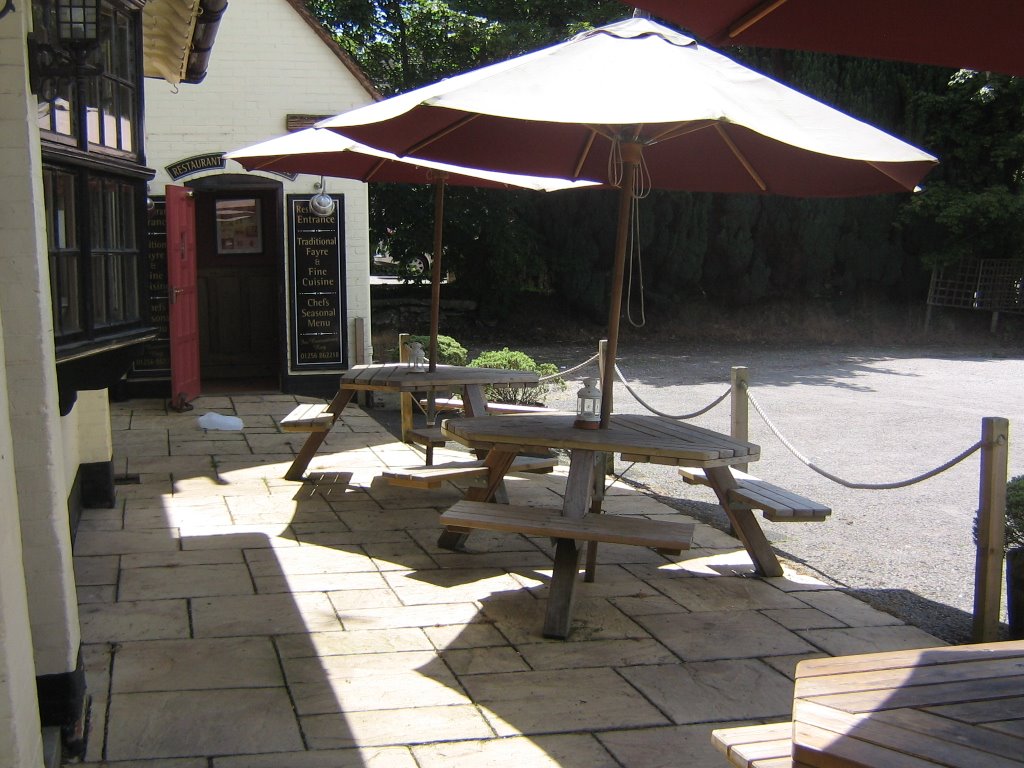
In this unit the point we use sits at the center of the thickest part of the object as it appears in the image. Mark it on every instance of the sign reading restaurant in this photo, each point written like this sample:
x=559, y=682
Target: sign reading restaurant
x=317, y=285
x=195, y=164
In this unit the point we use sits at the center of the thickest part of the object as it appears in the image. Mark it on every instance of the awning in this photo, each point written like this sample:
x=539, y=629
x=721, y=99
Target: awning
x=177, y=38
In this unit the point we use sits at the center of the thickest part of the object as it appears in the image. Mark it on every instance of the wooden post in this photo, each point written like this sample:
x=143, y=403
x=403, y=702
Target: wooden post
x=740, y=416
x=405, y=398
x=988, y=569
x=359, y=340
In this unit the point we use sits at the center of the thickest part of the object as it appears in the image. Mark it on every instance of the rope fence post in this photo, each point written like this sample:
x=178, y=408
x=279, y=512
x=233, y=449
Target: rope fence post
x=988, y=569
x=738, y=426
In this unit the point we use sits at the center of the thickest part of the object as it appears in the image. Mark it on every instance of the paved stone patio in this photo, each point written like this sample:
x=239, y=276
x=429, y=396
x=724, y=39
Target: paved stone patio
x=232, y=619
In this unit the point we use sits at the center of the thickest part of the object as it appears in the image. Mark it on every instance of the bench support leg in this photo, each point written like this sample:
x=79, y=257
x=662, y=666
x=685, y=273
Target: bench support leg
x=298, y=468
x=744, y=523
x=498, y=463
x=558, y=619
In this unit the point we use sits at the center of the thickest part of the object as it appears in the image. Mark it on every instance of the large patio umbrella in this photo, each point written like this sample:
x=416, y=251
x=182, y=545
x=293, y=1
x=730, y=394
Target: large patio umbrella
x=635, y=104
x=984, y=34
x=326, y=153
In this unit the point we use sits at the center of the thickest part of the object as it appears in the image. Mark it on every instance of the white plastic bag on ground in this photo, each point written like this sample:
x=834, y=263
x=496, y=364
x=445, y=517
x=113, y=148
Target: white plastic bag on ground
x=220, y=421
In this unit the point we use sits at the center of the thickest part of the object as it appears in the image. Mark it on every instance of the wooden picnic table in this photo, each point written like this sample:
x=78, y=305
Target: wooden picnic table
x=404, y=379
x=955, y=706
x=640, y=437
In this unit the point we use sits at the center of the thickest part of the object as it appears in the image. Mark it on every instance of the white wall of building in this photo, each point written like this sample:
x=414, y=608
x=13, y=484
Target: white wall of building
x=28, y=408
x=267, y=63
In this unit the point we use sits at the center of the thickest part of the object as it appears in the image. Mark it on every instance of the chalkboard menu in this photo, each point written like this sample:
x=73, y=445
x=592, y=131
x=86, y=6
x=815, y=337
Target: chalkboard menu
x=155, y=360
x=317, y=285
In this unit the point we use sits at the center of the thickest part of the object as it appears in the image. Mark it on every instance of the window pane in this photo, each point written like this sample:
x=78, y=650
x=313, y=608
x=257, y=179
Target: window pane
x=68, y=307
x=62, y=239
x=109, y=109
x=127, y=118
x=99, y=289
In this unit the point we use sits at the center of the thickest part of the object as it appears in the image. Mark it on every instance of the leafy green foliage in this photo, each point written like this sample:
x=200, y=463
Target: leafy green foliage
x=974, y=205
x=517, y=361
x=449, y=351
x=1015, y=512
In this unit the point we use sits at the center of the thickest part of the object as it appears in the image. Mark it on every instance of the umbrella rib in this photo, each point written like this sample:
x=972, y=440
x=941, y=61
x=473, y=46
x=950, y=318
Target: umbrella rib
x=882, y=170
x=741, y=157
x=752, y=18
x=585, y=153
x=681, y=129
x=368, y=176
x=442, y=133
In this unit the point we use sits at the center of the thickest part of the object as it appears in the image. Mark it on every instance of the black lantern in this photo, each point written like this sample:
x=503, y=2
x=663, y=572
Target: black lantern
x=78, y=35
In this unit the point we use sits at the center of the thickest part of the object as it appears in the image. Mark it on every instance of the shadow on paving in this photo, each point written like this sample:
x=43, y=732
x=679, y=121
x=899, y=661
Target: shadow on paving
x=232, y=619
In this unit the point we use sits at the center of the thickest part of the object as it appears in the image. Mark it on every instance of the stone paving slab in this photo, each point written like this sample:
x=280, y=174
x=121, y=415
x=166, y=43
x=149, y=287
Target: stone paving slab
x=233, y=619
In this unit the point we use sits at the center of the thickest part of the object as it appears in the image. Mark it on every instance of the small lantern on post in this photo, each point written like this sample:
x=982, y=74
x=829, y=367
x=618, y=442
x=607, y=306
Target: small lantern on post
x=588, y=405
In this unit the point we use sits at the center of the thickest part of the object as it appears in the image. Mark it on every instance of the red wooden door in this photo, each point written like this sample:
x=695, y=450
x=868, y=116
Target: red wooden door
x=182, y=296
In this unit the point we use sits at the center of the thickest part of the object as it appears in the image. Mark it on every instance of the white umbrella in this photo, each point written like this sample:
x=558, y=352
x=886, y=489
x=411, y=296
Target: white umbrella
x=636, y=104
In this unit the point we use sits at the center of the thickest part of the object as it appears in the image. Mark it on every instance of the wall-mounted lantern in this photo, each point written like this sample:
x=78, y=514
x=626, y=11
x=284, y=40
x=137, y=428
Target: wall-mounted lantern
x=67, y=58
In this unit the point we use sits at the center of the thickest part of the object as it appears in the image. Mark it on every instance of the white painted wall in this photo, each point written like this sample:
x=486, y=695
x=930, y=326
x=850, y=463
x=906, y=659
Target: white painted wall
x=267, y=63
x=20, y=303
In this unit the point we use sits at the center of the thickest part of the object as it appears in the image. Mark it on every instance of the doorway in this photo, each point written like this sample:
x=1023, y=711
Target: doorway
x=239, y=263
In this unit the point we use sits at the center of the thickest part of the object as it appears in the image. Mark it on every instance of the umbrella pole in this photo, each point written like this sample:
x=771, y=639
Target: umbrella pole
x=631, y=153
x=435, y=273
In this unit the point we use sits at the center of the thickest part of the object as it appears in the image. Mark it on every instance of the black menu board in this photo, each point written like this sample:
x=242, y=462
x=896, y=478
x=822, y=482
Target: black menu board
x=317, y=298
x=155, y=360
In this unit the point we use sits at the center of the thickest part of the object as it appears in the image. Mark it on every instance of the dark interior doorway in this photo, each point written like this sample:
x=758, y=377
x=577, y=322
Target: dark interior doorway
x=240, y=266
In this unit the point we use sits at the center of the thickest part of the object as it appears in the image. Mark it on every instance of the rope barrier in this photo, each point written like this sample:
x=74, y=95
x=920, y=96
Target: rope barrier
x=846, y=483
x=655, y=411
x=575, y=368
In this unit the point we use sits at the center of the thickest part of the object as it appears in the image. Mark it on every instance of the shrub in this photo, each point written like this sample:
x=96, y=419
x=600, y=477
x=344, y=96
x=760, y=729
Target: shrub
x=1015, y=512
x=517, y=361
x=449, y=351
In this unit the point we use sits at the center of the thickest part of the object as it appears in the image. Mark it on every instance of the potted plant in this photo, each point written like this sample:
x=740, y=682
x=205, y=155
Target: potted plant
x=1014, y=542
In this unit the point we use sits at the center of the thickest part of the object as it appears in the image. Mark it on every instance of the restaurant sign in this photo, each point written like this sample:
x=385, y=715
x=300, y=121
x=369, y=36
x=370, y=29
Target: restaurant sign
x=196, y=164
x=317, y=275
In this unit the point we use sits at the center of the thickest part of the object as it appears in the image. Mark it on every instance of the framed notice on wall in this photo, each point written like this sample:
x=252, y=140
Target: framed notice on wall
x=317, y=272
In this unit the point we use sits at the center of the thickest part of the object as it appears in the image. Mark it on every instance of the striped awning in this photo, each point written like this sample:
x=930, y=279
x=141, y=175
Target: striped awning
x=177, y=37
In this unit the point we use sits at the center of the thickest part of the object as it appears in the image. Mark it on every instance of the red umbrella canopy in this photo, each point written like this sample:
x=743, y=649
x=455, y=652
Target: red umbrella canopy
x=705, y=122
x=981, y=35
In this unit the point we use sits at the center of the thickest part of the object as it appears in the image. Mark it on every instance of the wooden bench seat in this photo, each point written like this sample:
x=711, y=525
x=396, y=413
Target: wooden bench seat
x=434, y=476
x=455, y=404
x=308, y=417
x=756, y=746
x=664, y=536
x=776, y=504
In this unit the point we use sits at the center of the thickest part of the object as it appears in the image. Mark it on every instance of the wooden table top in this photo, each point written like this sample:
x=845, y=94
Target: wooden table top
x=652, y=439
x=956, y=706
x=401, y=377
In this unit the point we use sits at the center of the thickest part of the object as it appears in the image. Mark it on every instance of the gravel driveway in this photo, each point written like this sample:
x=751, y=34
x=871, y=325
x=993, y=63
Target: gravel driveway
x=867, y=415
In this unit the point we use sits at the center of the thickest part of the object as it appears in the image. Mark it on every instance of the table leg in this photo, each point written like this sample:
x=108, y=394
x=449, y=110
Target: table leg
x=596, y=500
x=578, y=487
x=309, y=448
x=475, y=404
x=497, y=462
x=744, y=523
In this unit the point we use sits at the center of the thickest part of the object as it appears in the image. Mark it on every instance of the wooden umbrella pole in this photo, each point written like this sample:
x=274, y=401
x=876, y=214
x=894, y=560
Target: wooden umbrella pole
x=435, y=272
x=631, y=153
